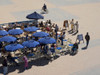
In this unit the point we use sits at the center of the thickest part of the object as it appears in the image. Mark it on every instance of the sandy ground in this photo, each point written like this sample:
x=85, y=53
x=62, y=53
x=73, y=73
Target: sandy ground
x=86, y=62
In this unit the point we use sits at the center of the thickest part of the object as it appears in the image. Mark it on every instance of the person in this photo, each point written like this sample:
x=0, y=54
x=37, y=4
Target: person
x=12, y=60
x=25, y=62
x=77, y=26
x=61, y=38
x=56, y=28
x=75, y=47
x=5, y=66
x=26, y=38
x=41, y=24
x=44, y=7
x=49, y=22
x=45, y=49
x=56, y=36
x=52, y=49
x=87, y=38
x=48, y=28
x=0, y=48
x=66, y=24
x=72, y=25
x=1, y=44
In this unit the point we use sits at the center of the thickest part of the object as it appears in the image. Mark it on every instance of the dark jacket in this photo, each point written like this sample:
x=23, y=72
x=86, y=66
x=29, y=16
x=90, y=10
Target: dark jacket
x=87, y=37
x=4, y=63
x=75, y=47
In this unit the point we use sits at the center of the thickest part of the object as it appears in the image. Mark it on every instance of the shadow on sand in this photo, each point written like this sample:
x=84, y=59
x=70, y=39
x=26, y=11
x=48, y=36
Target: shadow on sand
x=38, y=62
x=84, y=48
x=74, y=33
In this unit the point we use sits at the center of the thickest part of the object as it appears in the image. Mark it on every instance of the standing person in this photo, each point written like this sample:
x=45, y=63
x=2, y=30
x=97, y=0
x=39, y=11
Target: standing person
x=61, y=38
x=5, y=66
x=56, y=28
x=56, y=36
x=0, y=47
x=1, y=44
x=72, y=25
x=87, y=38
x=66, y=24
x=25, y=62
x=77, y=26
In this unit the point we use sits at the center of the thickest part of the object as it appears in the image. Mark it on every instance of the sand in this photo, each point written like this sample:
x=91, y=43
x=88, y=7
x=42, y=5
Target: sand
x=88, y=15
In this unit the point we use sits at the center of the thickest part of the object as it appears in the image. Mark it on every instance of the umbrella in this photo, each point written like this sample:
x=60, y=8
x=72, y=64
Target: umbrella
x=3, y=33
x=13, y=47
x=35, y=16
x=40, y=34
x=8, y=39
x=15, y=31
x=47, y=40
x=30, y=43
x=31, y=29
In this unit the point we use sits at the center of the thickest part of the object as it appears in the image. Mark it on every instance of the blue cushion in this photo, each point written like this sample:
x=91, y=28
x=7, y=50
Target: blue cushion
x=70, y=44
x=59, y=48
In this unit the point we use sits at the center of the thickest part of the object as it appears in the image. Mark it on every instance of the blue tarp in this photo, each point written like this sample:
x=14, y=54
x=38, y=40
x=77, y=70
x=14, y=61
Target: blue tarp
x=34, y=15
x=3, y=33
x=30, y=44
x=31, y=29
x=15, y=31
x=13, y=47
x=8, y=39
x=40, y=34
x=47, y=40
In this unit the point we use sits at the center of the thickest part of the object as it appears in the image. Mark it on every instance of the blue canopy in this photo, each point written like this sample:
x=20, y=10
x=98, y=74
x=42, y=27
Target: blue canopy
x=34, y=15
x=47, y=40
x=8, y=39
x=3, y=33
x=40, y=34
x=30, y=44
x=31, y=29
x=15, y=31
x=13, y=47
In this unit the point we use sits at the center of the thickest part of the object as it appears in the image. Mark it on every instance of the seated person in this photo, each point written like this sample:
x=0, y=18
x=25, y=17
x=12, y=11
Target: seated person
x=48, y=28
x=45, y=49
x=52, y=49
x=75, y=47
x=11, y=59
x=44, y=7
x=41, y=24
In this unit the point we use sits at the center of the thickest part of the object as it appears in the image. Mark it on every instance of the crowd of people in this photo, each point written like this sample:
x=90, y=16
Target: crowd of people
x=71, y=26
x=54, y=31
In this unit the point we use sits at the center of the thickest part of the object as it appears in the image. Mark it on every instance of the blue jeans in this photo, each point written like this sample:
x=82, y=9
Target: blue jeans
x=5, y=70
